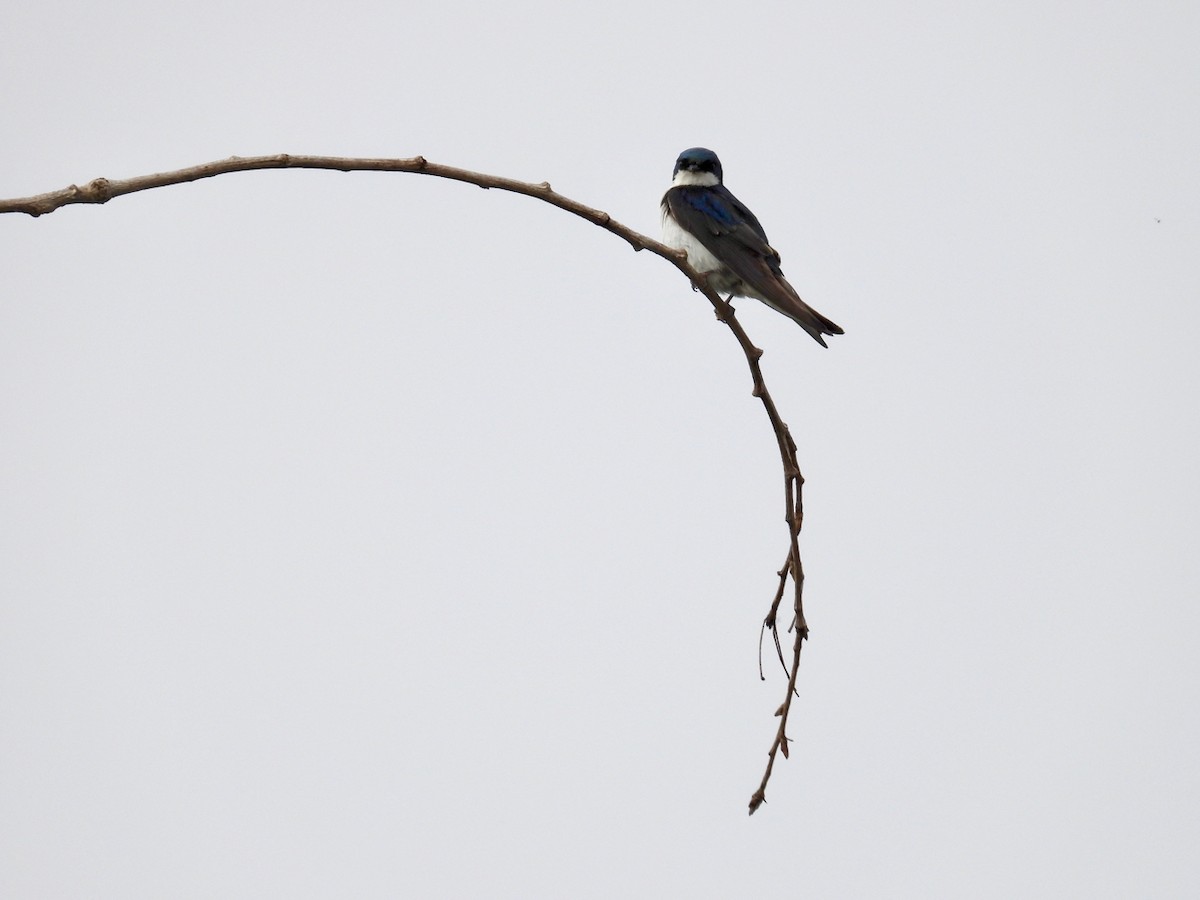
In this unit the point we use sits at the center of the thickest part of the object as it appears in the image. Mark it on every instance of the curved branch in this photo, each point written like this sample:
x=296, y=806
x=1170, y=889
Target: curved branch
x=101, y=190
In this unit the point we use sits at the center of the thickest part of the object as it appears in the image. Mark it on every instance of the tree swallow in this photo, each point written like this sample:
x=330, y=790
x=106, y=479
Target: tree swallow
x=723, y=239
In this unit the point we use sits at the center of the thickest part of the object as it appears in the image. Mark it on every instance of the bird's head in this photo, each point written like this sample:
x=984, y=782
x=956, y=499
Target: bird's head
x=697, y=166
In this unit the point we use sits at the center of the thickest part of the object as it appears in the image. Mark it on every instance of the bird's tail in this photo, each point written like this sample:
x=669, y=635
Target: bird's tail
x=805, y=316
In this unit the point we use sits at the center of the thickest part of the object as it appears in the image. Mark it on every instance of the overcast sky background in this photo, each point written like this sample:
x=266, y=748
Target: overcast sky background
x=374, y=535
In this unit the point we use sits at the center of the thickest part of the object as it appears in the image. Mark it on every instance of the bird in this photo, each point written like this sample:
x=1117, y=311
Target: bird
x=725, y=241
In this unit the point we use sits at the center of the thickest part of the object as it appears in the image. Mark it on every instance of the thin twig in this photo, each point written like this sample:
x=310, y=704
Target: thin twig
x=101, y=190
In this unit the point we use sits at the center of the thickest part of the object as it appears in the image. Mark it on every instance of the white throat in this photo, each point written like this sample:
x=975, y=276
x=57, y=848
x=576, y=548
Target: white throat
x=703, y=179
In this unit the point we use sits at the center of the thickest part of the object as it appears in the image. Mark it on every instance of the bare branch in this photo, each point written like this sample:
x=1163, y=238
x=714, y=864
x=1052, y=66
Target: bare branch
x=101, y=190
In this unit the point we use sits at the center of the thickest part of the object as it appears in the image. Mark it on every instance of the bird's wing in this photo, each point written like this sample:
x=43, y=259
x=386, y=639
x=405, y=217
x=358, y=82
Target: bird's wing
x=731, y=233
x=718, y=220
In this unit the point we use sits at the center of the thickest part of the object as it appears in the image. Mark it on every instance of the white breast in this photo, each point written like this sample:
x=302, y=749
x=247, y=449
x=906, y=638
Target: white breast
x=704, y=179
x=698, y=256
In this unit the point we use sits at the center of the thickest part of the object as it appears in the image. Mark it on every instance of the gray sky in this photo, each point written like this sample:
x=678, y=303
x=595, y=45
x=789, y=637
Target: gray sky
x=373, y=535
